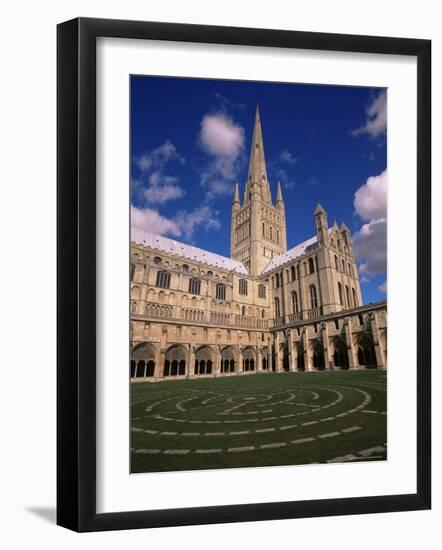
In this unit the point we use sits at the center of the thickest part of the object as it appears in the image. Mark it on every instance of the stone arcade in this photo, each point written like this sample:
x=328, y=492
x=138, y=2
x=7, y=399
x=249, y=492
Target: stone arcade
x=265, y=309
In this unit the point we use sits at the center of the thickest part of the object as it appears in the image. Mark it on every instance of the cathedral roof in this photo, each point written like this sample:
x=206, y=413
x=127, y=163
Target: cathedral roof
x=293, y=253
x=176, y=248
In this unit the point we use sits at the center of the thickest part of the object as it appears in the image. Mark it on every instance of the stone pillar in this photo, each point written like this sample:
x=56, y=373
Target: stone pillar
x=278, y=354
x=239, y=365
x=190, y=362
x=293, y=354
x=308, y=362
x=217, y=362
x=327, y=347
x=258, y=367
x=352, y=362
x=159, y=365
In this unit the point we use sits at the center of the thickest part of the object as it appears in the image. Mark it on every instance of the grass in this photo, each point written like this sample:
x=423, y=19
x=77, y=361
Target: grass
x=286, y=418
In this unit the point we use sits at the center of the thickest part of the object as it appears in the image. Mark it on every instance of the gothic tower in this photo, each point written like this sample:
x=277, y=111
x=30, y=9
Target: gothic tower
x=258, y=231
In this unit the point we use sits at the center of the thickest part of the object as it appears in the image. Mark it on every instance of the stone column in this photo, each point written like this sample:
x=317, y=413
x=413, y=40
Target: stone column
x=278, y=366
x=191, y=367
x=293, y=354
x=217, y=362
x=327, y=347
x=258, y=367
x=308, y=363
x=159, y=364
x=352, y=363
x=239, y=362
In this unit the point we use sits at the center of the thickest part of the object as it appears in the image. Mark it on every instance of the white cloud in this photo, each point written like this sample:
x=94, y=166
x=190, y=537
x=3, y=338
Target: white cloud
x=287, y=156
x=220, y=136
x=150, y=220
x=371, y=198
x=370, y=247
x=222, y=139
x=282, y=176
x=184, y=223
x=161, y=187
x=157, y=158
x=383, y=287
x=202, y=216
x=376, y=117
x=370, y=242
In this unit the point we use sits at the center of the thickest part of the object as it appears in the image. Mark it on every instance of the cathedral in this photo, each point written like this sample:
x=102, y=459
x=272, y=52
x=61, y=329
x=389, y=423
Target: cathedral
x=267, y=308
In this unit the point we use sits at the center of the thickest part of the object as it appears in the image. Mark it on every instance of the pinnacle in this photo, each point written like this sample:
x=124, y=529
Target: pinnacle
x=319, y=210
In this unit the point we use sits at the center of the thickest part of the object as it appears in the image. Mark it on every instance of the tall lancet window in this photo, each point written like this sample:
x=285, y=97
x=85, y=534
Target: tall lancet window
x=277, y=308
x=313, y=297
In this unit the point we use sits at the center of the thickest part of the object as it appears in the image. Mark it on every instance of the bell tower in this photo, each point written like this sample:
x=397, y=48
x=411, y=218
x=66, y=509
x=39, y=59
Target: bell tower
x=258, y=231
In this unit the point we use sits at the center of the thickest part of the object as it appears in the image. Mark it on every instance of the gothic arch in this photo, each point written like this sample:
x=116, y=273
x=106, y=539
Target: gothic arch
x=135, y=292
x=175, y=361
x=204, y=358
x=340, y=355
x=318, y=355
x=228, y=359
x=248, y=359
x=142, y=361
x=365, y=350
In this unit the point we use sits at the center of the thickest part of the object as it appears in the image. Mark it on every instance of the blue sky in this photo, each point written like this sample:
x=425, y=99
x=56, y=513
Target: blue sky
x=190, y=143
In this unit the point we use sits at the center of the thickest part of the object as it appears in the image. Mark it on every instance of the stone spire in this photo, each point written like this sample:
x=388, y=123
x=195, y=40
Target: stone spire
x=321, y=225
x=236, y=197
x=279, y=194
x=257, y=182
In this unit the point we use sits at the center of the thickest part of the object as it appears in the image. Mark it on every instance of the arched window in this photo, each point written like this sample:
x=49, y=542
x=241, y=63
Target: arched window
x=277, y=308
x=336, y=263
x=347, y=294
x=243, y=310
x=261, y=291
x=243, y=286
x=313, y=297
x=132, y=271
x=350, y=271
x=277, y=280
x=343, y=266
x=163, y=279
x=354, y=297
x=263, y=314
x=194, y=286
x=157, y=260
x=220, y=291
x=311, y=265
x=293, y=273
x=341, y=297
x=185, y=268
x=295, y=302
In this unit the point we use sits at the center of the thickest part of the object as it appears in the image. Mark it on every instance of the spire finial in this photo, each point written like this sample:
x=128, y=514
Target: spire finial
x=257, y=174
x=236, y=196
x=319, y=210
x=279, y=193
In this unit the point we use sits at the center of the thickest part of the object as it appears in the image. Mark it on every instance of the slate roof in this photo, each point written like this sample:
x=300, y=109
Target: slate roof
x=187, y=251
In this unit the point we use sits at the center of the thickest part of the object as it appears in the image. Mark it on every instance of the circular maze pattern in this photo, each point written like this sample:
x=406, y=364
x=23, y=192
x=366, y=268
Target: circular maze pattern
x=291, y=419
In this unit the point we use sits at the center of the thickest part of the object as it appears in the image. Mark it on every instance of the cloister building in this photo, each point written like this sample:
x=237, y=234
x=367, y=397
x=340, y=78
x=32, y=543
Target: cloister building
x=267, y=308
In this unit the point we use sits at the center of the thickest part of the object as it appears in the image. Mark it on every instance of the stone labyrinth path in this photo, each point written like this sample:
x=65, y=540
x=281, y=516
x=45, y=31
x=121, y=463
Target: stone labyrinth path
x=258, y=420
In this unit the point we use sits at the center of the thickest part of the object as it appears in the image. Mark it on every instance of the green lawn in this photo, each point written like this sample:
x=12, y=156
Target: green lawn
x=258, y=420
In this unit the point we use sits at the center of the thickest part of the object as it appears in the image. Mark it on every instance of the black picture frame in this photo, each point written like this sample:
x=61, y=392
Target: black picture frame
x=76, y=274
